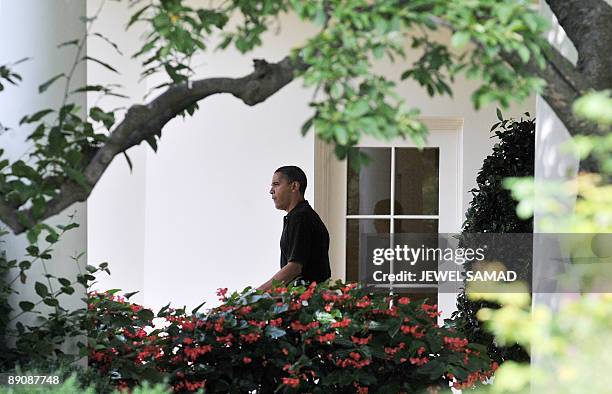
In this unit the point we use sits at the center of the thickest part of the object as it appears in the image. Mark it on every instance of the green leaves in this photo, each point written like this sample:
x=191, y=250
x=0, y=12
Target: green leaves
x=135, y=17
x=499, y=114
x=42, y=88
x=100, y=62
x=145, y=314
x=21, y=169
x=78, y=177
x=35, y=117
x=41, y=289
x=39, y=206
x=26, y=306
x=109, y=41
x=7, y=74
x=460, y=39
x=98, y=115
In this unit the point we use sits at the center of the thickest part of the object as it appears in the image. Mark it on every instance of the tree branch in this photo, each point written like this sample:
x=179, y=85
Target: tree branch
x=588, y=24
x=144, y=121
x=564, y=85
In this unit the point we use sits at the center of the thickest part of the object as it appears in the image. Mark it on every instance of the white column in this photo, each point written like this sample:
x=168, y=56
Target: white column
x=551, y=164
x=34, y=28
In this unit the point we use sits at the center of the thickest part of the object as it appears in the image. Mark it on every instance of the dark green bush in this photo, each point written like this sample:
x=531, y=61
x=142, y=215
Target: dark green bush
x=492, y=210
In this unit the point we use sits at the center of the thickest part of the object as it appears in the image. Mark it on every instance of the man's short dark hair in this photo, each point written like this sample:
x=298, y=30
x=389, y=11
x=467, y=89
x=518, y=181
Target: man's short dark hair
x=294, y=174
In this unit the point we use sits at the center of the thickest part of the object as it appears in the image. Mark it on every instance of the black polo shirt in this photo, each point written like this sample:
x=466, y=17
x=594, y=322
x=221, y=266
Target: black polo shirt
x=305, y=240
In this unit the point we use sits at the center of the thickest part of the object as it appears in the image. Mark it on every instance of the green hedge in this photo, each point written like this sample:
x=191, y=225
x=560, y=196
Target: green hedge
x=328, y=338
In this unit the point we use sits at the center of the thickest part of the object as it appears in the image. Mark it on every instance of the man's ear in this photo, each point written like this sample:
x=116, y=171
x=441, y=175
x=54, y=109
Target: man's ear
x=295, y=185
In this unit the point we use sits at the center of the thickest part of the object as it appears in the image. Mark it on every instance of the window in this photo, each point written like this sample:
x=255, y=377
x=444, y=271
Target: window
x=411, y=176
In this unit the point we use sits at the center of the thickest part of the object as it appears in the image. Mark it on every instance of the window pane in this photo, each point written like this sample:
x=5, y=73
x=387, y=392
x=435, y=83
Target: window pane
x=416, y=226
x=423, y=247
x=416, y=181
x=354, y=229
x=369, y=190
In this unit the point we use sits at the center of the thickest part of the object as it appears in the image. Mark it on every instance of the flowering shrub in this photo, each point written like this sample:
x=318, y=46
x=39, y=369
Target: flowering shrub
x=325, y=338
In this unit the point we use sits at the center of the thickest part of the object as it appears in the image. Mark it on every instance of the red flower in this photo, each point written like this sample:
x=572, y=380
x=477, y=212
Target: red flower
x=414, y=330
x=221, y=292
x=246, y=360
x=98, y=356
x=329, y=296
x=361, y=341
x=291, y=382
x=431, y=310
x=194, y=353
x=256, y=323
x=187, y=325
x=226, y=339
x=251, y=337
x=307, y=294
x=419, y=360
x=455, y=344
x=219, y=325
x=364, y=302
x=300, y=327
x=391, y=350
x=327, y=337
x=343, y=323
x=404, y=300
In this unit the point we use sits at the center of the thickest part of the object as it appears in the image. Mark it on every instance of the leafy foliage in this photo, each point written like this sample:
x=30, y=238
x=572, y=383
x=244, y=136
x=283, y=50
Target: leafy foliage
x=492, y=210
x=72, y=384
x=63, y=140
x=592, y=192
x=338, y=60
x=321, y=338
x=39, y=342
x=571, y=341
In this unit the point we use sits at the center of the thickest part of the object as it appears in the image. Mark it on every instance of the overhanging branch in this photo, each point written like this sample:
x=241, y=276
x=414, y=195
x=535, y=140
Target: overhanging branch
x=588, y=24
x=564, y=84
x=144, y=121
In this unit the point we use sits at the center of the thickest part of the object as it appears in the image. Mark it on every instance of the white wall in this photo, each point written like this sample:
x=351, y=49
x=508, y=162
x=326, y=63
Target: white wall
x=197, y=216
x=476, y=140
x=208, y=220
x=31, y=28
x=117, y=204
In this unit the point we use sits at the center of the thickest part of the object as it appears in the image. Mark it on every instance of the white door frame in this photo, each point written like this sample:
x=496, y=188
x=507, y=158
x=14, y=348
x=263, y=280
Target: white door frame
x=327, y=192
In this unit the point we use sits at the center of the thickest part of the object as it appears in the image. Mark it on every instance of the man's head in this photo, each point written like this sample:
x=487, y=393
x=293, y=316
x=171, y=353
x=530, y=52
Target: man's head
x=288, y=187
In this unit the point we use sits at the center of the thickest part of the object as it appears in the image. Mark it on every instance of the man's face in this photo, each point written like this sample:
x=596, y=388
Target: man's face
x=281, y=191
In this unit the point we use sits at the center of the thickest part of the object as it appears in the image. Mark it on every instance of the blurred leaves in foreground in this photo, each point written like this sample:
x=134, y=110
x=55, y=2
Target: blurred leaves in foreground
x=570, y=345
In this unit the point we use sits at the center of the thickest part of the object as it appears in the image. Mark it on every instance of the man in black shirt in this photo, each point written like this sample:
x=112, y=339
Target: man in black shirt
x=305, y=241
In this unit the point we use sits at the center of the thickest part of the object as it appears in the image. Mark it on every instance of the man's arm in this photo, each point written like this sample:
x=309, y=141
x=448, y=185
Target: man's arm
x=285, y=275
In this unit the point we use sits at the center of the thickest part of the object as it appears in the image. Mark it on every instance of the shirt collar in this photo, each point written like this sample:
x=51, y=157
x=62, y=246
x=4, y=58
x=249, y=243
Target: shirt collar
x=301, y=205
